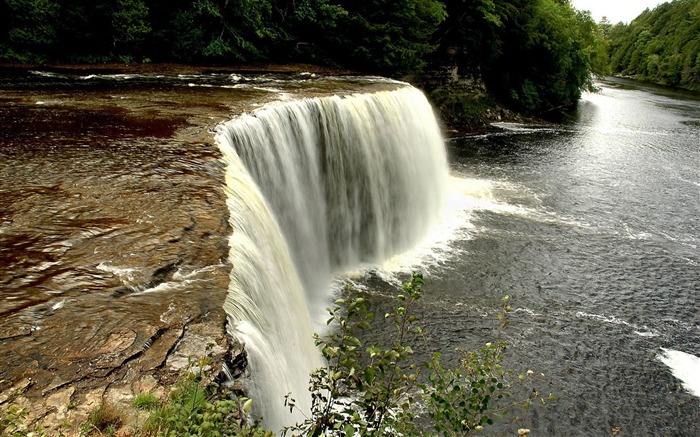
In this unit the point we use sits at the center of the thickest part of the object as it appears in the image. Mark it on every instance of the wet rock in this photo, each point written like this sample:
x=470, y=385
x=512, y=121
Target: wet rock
x=236, y=360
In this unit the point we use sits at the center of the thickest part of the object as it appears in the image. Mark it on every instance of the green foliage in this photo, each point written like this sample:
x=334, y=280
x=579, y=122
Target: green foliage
x=478, y=391
x=462, y=109
x=386, y=37
x=319, y=12
x=192, y=409
x=459, y=399
x=32, y=29
x=469, y=36
x=547, y=55
x=661, y=46
x=145, y=401
x=595, y=44
x=373, y=390
x=364, y=390
x=11, y=420
x=535, y=54
x=130, y=24
x=215, y=30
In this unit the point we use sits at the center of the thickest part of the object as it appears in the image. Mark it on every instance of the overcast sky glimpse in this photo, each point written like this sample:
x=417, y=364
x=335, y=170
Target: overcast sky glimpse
x=615, y=10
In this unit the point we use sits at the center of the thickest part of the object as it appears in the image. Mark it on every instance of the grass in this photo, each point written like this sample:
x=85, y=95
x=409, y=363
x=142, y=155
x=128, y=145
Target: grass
x=105, y=419
x=145, y=401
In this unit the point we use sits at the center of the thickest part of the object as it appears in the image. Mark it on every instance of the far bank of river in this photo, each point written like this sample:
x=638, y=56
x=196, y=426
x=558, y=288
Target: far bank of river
x=463, y=103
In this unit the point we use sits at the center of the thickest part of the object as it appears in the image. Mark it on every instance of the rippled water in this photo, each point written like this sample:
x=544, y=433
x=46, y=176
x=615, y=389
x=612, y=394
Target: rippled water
x=593, y=228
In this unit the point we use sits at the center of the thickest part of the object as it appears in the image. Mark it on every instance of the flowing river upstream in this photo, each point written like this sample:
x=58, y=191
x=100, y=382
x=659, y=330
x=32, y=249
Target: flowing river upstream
x=129, y=210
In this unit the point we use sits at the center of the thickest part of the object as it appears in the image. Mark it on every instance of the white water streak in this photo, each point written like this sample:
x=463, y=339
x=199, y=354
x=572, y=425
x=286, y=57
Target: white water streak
x=685, y=367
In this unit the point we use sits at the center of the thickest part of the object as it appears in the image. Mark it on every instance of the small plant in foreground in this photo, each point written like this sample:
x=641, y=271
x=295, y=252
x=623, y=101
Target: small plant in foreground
x=364, y=391
x=14, y=422
x=145, y=401
x=11, y=420
x=103, y=420
x=193, y=410
x=466, y=398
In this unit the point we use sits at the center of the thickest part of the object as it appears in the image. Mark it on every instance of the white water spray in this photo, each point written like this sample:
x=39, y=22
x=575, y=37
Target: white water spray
x=314, y=187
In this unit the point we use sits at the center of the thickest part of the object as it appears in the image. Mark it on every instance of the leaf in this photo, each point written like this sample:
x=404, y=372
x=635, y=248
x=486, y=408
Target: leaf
x=369, y=375
x=247, y=405
x=349, y=430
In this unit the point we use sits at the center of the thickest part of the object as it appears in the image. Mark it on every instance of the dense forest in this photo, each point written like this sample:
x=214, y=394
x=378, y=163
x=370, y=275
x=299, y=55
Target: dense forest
x=661, y=46
x=534, y=55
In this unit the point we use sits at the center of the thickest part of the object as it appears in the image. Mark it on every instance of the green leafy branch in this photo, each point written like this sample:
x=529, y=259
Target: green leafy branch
x=371, y=391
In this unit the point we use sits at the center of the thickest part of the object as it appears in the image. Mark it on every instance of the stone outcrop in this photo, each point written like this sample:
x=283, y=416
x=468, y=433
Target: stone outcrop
x=63, y=407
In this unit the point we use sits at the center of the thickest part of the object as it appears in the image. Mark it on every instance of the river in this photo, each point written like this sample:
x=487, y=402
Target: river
x=592, y=227
x=113, y=231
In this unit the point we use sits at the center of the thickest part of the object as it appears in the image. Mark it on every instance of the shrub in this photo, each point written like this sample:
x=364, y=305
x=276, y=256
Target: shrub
x=371, y=391
x=104, y=419
x=193, y=410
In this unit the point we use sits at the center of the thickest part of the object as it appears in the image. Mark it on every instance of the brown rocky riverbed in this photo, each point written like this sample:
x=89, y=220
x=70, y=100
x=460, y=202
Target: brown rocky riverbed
x=113, y=228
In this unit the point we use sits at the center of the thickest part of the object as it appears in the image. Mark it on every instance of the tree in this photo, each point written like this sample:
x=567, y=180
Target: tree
x=32, y=28
x=130, y=26
x=469, y=35
x=231, y=30
x=660, y=46
x=545, y=60
x=384, y=37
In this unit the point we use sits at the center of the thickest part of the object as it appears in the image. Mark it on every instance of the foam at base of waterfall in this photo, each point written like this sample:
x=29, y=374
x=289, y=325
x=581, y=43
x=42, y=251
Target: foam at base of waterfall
x=685, y=367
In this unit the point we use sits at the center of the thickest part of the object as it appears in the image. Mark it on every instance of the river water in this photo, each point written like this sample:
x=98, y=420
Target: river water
x=113, y=224
x=593, y=228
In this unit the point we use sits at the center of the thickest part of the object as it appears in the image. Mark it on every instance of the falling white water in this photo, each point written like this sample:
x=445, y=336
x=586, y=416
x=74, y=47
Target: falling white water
x=315, y=187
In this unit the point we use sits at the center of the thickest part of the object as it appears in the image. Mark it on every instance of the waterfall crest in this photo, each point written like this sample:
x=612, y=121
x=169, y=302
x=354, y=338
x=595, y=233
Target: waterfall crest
x=315, y=187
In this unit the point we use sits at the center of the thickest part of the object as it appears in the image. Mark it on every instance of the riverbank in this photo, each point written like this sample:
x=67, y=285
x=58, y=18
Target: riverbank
x=72, y=408
x=463, y=102
x=174, y=69
x=91, y=234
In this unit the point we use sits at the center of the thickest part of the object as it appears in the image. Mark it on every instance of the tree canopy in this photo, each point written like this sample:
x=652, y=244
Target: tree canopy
x=660, y=45
x=534, y=54
x=548, y=51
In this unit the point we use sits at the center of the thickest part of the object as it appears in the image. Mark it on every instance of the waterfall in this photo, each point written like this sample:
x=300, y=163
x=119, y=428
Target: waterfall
x=315, y=187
